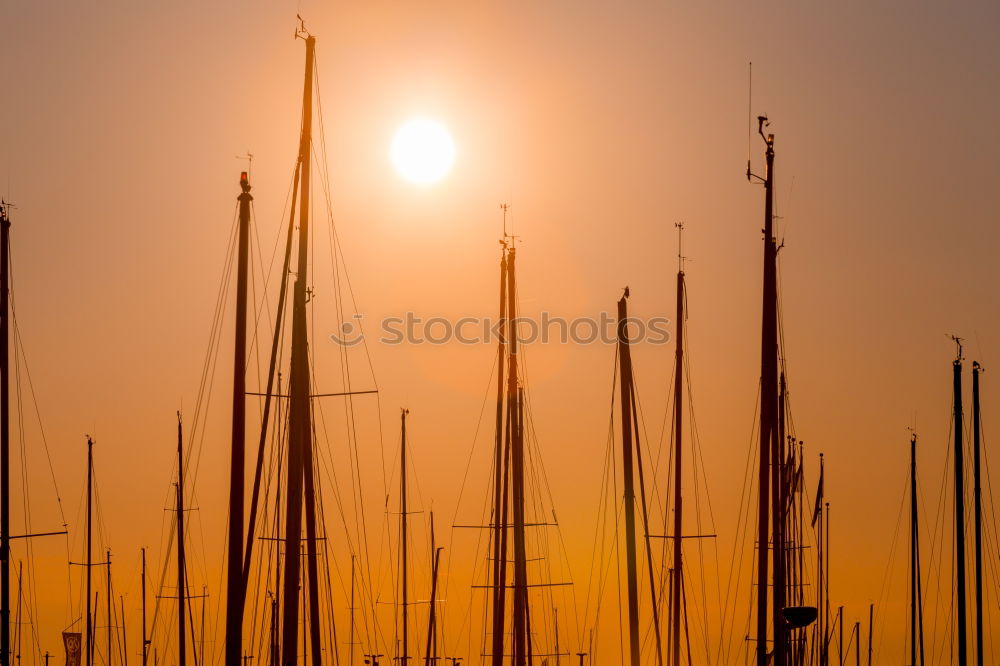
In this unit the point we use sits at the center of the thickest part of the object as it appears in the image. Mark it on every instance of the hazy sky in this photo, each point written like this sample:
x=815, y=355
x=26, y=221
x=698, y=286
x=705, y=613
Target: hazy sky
x=601, y=124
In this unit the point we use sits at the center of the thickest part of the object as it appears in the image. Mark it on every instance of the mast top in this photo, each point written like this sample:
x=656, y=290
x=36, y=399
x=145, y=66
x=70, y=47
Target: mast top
x=505, y=207
x=300, y=29
x=958, y=343
x=680, y=247
x=245, y=182
x=763, y=122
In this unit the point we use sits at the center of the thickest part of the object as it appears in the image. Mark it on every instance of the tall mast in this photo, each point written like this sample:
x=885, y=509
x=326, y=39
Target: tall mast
x=109, y=601
x=779, y=585
x=431, y=655
x=916, y=603
x=768, y=413
x=234, y=560
x=4, y=436
x=500, y=481
x=522, y=612
x=820, y=573
x=826, y=582
x=145, y=641
x=959, y=508
x=181, y=581
x=977, y=503
x=625, y=370
x=300, y=429
x=405, y=654
x=677, y=580
x=515, y=420
x=90, y=533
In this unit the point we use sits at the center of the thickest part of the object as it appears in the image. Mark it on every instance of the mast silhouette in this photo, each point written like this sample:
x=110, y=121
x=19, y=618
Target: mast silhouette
x=300, y=490
x=522, y=612
x=405, y=654
x=625, y=372
x=959, y=508
x=431, y=655
x=677, y=579
x=108, y=605
x=916, y=594
x=235, y=593
x=501, y=455
x=4, y=436
x=181, y=579
x=768, y=417
x=89, y=641
x=509, y=489
x=145, y=641
x=515, y=396
x=977, y=497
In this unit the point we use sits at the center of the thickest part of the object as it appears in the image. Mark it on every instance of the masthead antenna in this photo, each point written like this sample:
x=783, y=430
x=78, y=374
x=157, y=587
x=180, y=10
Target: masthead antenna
x=680, y=246
x=300, y=29
x=762, y=123
x=749, y=115
x=505, y=207
x=958, y=343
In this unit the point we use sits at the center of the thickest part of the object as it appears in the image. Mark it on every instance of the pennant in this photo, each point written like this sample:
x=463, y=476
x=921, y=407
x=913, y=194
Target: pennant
x=72, y=641
x=819, y=498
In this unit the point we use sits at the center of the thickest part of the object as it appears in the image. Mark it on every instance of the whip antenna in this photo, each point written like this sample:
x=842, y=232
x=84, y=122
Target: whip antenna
x=749, y=114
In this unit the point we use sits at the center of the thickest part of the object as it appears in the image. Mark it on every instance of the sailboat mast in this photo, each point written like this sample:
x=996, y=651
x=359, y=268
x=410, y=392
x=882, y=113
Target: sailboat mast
x=234, y=560
x=145, y=641
x=405, y=655
x=522, y=616
x=915, y=601
x=768, y=412
x=959, y=510
x=499, y=482
x=515, y=421
x=676, y=581
x=299, y=437
x=181, y=581
x=431, y=655
x=4, y=437
x=625, y=370
x=107, y=563
x=779, y=587
x=89, y=645
x=978, y=517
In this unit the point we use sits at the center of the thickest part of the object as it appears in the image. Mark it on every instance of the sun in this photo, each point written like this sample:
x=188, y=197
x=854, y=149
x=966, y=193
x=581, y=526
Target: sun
x=422, y=151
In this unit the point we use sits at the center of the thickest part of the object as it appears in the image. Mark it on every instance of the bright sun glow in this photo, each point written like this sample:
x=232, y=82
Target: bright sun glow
x=422, y=151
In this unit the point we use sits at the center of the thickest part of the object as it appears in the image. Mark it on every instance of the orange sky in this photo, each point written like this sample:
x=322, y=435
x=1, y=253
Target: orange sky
x=601, y=125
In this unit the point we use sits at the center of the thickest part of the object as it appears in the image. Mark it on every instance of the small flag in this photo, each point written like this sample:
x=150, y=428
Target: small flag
x=71, y=641
x=819, y=497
